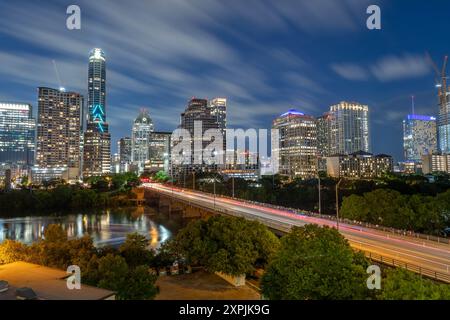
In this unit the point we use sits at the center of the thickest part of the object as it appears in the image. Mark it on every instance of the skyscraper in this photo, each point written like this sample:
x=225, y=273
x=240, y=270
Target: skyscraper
x=159, y=151
x=142, y=127
x=444, y=116
x=97, y=139
x=198, y=112
x=124, y=151
x=349, y=128
x=323, y=140
x=17, y=128
x=298, y=144
x=59, y=126
x=218, y=108
x=419, y=137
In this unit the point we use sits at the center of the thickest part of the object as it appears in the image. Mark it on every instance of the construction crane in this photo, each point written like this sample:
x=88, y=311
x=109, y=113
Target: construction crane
x=61, y=87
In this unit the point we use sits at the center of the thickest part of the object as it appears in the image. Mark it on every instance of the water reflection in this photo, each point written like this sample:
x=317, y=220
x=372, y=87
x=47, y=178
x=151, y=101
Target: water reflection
x=109, y=227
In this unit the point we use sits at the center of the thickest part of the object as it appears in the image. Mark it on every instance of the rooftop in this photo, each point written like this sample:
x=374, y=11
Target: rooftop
x=47, y=283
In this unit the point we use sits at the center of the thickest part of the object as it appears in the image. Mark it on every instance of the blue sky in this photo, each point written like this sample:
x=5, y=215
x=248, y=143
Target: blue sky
x=264, y=56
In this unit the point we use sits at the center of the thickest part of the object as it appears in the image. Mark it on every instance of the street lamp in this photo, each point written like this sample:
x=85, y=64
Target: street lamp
x=337, y=203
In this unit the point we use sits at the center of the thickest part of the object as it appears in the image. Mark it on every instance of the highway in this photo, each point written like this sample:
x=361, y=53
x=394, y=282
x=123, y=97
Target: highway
x=421, y=253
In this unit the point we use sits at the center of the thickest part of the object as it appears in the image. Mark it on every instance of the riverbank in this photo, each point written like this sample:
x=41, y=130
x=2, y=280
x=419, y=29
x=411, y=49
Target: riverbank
x=62, y=198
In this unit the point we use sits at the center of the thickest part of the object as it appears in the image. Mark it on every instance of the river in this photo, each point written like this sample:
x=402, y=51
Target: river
x=106, y=227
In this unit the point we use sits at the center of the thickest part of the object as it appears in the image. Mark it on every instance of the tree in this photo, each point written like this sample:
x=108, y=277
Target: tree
x=128, y=283
x=400, y=284
x=12, y=251
x=315, y=263
x=135, y=250
x=226, y=244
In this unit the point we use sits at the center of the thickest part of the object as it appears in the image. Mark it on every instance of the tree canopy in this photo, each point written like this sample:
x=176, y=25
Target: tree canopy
x=226, y=244
x=315, y=263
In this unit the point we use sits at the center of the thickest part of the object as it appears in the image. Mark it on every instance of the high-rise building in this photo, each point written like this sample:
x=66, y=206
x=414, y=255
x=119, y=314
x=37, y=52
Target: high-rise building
x=97, y=139
x=298, y=144
x=349, y=128
x=218, y=108
x=419, y=137
x=124, y=151
x=140, y=139
x=158, y=151
x=323, y=140
x=17, y=131
x=435, y=163
x=198, y=112
x=359, y=165
x=444, y=116
x=59, y=126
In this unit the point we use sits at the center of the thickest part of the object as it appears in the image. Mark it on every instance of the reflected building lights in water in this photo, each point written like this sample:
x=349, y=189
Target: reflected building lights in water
x=109, y=228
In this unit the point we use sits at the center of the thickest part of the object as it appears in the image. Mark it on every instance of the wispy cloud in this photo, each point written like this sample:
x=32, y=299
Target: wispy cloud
x=350, y=71
x=388, y=68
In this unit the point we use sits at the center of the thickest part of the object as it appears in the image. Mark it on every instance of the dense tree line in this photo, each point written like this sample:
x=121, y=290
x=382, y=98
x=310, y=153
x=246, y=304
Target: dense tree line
x=110, y=191
x=390, y=208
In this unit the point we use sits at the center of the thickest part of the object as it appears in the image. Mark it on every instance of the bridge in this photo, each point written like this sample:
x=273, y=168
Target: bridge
x=423, y=256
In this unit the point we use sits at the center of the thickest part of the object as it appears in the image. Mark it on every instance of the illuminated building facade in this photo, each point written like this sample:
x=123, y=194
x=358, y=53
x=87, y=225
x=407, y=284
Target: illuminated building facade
x=124, y=151
x=298, y=144
x=435, y=163
x=349, y=128
x=419, y=137
x=158, y=152
x=359, y=165
x=97, y=139
x=59, y=127
x=140, y=139
x=323, y=140
x=444, y=117
x=199, y=113
x=17, y=131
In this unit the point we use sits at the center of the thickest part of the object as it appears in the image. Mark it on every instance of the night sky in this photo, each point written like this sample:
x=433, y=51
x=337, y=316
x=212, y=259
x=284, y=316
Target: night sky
x=264, y=56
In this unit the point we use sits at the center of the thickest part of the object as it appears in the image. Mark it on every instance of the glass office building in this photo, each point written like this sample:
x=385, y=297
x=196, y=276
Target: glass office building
x=17, y=130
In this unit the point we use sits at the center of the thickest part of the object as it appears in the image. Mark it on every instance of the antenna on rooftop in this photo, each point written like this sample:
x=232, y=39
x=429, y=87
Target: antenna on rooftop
x=412, y=104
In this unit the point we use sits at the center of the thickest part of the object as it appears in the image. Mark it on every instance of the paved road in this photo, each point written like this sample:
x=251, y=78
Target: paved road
x=422, y=253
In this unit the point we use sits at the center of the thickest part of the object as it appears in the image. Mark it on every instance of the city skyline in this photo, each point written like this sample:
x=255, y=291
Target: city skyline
x=261, y=77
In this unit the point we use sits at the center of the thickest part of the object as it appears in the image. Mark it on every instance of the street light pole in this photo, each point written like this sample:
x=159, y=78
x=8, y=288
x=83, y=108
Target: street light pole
x=232, y=183
x=214, y=192
x=318, y=179
x=193, y=180
x=337, y=203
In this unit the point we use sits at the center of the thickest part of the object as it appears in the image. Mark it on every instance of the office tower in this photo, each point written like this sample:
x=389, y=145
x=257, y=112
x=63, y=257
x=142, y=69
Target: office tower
x=124, y=151
x=298, y=144
x=198, y=112
x=158, y=152
x=142, y=127
x=17, y=131
x=58, y=134
x=444, y=116
x=97, y=139
x=218, y=108
x=419, y=137
x=360, y=165
x=349, y=128
x=323, y=140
